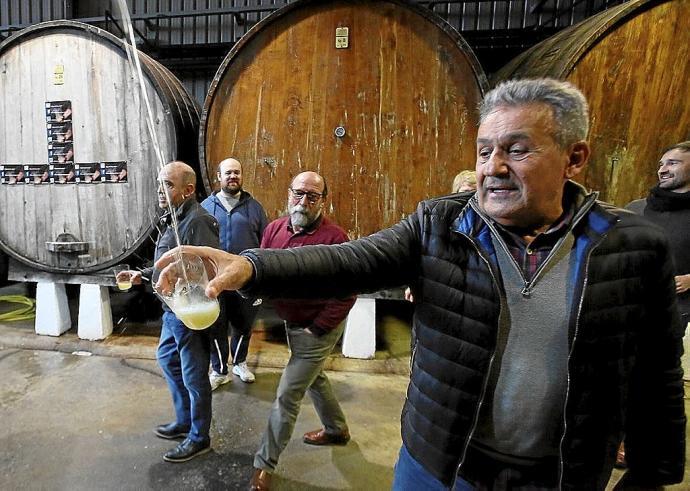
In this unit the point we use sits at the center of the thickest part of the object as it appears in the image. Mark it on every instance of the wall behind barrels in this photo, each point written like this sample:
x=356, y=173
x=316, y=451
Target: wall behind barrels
x=404, y=91
x=108, y=123
x=633, y=64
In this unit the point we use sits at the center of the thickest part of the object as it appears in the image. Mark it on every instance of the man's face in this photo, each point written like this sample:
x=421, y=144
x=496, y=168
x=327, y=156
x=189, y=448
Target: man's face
x=230, y=176
x=521, y=170
x=306, y=209
x=170, y=179
x=674, y=171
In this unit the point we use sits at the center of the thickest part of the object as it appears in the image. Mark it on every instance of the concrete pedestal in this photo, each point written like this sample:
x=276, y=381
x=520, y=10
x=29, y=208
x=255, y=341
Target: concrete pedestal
x=359, y=339
x=95, y=316
x=52, y=309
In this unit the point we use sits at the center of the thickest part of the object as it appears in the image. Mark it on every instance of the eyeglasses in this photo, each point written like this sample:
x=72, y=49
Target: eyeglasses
x=298, y=194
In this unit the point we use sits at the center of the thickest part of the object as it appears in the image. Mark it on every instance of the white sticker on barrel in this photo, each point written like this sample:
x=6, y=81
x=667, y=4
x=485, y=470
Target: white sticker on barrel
x=342, y=37
x=59, y=75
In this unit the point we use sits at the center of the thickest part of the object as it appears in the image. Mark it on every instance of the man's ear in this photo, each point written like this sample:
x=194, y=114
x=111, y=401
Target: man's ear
x=578, y=157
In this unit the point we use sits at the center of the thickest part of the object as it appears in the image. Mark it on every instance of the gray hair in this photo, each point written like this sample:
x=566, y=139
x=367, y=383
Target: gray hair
x=569, y=105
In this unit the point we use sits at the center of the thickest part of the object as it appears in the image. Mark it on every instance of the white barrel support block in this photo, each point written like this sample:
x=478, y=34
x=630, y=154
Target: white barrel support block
x=359, y=339
x=52, y=309
x=95, y=316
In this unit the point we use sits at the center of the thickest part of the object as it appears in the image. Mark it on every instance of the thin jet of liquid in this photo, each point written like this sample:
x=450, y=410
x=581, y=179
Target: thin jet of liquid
x=133, y=57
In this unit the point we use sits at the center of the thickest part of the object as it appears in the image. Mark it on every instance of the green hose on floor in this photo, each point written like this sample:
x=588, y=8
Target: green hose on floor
x=26, y=312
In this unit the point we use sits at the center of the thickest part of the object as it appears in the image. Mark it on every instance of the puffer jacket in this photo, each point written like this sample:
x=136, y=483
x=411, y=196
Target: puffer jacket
x=625, y=336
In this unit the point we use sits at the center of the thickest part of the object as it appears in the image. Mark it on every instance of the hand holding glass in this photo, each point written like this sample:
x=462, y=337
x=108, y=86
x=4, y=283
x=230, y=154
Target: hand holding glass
x=188, y=301
x=123, y=277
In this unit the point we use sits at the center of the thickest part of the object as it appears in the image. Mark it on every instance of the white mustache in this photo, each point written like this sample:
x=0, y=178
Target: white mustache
x=497, y=182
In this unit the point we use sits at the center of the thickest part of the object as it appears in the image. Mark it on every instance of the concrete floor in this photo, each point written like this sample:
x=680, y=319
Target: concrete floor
x=78, y=415
x=84, y=422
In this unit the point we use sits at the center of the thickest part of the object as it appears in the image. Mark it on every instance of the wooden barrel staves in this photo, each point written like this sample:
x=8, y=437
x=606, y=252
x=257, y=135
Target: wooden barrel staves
x=378, y=96
x=633, y=64
x=77, y=165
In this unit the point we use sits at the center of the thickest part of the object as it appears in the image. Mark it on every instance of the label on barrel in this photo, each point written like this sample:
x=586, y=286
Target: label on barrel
x=59, y=132
x=61, y=167
x=342, y=37
x=13, y=174
x=95, y=172
x=59, y=75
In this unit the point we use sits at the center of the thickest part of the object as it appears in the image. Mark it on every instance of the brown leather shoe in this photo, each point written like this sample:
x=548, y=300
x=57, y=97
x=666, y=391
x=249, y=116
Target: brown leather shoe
x=261, y=480
x=320, y=437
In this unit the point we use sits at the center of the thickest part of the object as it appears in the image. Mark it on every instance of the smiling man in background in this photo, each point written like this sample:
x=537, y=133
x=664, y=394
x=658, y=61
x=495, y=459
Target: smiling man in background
x=668, y=206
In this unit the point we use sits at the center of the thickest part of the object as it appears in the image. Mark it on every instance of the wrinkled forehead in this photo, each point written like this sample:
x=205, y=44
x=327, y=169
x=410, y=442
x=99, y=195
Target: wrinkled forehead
x=308, y=182
x=168, y=174
x=517, y=122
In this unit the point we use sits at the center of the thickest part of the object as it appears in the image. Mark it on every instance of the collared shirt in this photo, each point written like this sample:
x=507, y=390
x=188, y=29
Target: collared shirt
x=320, y=315
x=280, y=235
x=530, y=256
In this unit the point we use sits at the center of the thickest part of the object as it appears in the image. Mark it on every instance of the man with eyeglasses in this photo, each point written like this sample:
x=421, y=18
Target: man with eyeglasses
x=313, y=327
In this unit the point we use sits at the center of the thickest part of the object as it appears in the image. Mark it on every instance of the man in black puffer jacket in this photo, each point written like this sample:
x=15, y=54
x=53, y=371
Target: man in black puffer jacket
x=546, y=321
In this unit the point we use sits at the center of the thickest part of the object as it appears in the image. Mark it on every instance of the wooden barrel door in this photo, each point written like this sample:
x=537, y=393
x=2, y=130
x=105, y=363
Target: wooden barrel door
x=378, y=96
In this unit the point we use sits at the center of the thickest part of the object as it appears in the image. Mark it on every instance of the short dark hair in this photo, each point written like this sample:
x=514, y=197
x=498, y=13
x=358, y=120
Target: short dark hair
x=682, y=146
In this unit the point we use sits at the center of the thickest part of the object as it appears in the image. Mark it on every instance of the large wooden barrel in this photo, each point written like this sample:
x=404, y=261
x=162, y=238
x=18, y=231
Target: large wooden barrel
x=379, y=96
x=633, y=64
x=69, y=86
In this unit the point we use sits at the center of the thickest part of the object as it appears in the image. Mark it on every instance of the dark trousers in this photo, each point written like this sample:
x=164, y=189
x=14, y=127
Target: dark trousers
x=183, y=355
x=238, y=314
x=488, y=474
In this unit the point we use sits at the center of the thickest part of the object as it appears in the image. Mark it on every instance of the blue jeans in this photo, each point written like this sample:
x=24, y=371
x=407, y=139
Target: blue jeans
x=184, y=355
x=409, y=475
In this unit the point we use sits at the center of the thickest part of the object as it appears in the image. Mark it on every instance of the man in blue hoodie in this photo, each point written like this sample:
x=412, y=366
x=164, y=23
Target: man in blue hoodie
x=242, y=222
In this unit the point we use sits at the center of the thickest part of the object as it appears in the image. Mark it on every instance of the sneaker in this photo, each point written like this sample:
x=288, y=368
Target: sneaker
x=243, y=372
x=218, y=379
x=187, y=450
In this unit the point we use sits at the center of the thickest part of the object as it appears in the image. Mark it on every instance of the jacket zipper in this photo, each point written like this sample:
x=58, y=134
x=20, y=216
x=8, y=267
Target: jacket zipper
x=528, y=286
x=561, y=463
x=491, y=360
x=414, y=355
x=583, y=209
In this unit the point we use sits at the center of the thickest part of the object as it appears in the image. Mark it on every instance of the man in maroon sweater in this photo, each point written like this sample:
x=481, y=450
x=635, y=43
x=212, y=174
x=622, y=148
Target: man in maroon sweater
x=313, y=327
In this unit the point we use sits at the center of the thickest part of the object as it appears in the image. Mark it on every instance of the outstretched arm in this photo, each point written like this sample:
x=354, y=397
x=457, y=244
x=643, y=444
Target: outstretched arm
x=226, y=271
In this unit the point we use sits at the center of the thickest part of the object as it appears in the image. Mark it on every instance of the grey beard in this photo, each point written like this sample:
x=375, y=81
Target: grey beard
x=299, y=219
x=299, y=216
